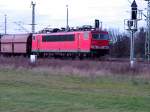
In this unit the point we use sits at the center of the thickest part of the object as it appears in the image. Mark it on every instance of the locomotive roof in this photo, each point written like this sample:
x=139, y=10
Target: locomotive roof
x=70, y=32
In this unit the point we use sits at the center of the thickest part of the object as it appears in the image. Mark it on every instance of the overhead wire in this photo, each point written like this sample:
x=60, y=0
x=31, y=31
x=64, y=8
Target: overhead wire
x=129, y=1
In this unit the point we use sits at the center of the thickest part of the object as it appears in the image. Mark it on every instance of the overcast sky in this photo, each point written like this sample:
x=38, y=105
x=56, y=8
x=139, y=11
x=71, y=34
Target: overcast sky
x=53, y=13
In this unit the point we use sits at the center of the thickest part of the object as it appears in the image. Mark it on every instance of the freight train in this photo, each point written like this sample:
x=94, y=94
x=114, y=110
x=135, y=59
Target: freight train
x=76, y=43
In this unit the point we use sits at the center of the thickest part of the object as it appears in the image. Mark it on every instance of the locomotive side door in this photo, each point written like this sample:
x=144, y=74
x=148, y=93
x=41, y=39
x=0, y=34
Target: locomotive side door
x=79, y=42
x=38, y=43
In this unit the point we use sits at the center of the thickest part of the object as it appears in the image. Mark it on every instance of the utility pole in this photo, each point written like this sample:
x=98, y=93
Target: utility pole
x=33, y=17
x=147, y=41
x=67, y=25
x=5, y=24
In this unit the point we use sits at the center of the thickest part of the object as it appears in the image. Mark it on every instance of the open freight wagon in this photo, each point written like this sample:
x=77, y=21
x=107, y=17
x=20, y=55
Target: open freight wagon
x=16, y=44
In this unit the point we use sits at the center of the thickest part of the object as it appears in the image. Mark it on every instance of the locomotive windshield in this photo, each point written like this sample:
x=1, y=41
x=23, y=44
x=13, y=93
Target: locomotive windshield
x=100, y=36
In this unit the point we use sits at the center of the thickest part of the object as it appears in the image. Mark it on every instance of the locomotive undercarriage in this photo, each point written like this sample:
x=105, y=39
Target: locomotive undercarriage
x=73, y=55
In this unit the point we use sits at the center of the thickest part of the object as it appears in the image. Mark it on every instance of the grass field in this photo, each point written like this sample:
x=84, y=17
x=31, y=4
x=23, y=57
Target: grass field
x=34, y=90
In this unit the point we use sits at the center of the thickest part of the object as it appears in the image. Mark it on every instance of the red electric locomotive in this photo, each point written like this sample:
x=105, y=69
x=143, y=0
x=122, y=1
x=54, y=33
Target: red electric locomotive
x=75, y=43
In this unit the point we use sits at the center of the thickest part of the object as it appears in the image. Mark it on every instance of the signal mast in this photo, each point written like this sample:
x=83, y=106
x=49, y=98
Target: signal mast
x=132, y=27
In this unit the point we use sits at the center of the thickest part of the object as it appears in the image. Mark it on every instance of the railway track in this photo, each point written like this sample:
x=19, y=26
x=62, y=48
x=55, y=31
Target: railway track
x=40, y=60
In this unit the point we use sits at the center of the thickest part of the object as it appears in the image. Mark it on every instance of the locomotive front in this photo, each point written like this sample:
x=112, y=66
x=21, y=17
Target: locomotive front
x=100, y=42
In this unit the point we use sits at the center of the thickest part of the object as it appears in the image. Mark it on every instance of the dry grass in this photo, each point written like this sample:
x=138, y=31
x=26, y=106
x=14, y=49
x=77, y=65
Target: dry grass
x=77, y=67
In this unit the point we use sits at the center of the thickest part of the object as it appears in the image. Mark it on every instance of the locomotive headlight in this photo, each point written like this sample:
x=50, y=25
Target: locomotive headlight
x=93, y=46
x=99, y=47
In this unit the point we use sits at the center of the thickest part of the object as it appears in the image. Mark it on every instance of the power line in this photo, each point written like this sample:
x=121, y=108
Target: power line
x=129, y=2
x=23, y=28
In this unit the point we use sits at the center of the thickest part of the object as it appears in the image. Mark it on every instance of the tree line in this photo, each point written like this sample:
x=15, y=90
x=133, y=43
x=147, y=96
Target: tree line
x=120, y=44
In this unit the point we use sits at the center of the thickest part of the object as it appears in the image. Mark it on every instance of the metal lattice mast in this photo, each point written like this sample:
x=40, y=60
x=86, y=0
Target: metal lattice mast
x=33, y=17
x=147, y=41
x=5, y=24
x=67, y=25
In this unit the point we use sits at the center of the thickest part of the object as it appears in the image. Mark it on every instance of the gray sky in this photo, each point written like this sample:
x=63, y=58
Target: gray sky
x=53, y=13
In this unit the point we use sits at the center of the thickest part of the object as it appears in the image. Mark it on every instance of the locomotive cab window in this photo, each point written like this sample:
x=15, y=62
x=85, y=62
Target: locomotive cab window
x=86, y=35
x=104, y=36
x=57, y=38
x=100, y=36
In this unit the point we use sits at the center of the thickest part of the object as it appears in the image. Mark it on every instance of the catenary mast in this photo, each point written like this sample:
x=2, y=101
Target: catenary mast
x=33, y=17
x=147, y=41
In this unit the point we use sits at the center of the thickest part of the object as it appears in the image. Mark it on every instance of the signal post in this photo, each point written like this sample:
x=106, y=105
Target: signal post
x=131, y=25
